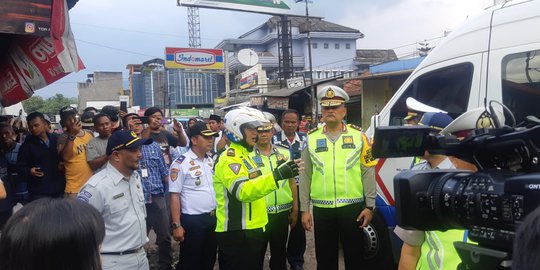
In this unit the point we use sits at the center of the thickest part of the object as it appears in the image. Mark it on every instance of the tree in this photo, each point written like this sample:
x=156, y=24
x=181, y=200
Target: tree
x=33, y=104
x=50, y=107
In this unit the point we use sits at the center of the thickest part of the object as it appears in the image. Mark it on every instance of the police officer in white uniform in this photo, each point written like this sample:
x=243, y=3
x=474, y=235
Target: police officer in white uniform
x=193, y=201
x=116, y=192
x=416, y=110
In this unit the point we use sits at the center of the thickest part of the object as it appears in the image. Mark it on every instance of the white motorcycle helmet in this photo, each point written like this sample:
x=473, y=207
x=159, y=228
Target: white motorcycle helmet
x=240, y=118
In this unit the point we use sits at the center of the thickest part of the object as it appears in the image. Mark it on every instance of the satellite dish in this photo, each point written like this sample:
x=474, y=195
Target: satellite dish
x=248, y=57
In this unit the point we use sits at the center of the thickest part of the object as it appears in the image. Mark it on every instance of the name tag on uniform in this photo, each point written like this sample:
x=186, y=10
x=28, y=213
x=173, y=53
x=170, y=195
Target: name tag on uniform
x=117, y=196
x=348, y=142
x=144, y=172
x=321, y=146
x=255, y=174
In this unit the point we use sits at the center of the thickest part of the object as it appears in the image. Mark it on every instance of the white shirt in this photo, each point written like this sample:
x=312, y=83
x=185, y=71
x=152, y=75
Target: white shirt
x=193, y=179
x=121, y=203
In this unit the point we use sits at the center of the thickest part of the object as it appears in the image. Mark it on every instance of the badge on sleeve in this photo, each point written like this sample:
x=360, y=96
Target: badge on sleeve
x=84, y=196
x=235, y=167
x=174, y=174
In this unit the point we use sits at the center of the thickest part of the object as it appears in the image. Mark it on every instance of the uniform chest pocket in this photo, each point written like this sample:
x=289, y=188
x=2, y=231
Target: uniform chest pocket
x=118, y=205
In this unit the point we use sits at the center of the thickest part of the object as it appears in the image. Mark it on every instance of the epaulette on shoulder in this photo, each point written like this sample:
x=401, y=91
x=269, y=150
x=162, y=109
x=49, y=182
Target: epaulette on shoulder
x=180, y=159
x=282, y=145
x=312, y=130
x=355, y=127
x=231, y=152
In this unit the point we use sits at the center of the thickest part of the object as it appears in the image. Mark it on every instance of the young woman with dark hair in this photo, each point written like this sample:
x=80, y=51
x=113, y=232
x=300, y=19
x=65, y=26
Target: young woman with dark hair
x=59, y=234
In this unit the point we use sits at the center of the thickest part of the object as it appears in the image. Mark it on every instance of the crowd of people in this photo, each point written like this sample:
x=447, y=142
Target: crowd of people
x=224, y=189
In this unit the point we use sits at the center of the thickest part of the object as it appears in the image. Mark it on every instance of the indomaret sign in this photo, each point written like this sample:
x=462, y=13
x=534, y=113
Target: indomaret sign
x=193, y=58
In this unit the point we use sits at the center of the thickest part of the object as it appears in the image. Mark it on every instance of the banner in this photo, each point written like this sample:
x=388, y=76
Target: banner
x=26, y=17
x=193, y=58
x=273, y=7
x=184, y=112
x=31, y=62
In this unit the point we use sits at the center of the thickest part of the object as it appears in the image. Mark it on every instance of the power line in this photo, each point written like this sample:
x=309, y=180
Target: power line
x=116, y=49
x=138, y=31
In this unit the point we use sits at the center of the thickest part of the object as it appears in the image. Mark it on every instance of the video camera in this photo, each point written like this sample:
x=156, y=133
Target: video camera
x=490, y=203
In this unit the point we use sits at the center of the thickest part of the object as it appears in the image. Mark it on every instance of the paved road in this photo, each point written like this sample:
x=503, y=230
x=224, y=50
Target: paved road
x=309, y=256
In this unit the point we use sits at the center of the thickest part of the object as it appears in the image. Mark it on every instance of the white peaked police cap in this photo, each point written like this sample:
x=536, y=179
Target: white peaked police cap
x=473, y=119
x=417, y=106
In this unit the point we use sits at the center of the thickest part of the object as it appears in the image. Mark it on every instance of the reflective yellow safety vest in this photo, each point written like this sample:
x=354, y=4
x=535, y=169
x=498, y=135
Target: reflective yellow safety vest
x=438, y=250
x=281, y=199
x=336, y=166
x=240, y=188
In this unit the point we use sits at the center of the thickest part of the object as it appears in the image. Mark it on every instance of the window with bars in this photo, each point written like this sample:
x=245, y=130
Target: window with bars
x=193, y=87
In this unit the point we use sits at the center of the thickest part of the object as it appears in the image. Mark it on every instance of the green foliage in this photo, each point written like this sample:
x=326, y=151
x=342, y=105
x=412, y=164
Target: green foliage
x=50, y=106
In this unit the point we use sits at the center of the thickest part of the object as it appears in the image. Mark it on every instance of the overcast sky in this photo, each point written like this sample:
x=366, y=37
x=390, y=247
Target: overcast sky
x=113, y=33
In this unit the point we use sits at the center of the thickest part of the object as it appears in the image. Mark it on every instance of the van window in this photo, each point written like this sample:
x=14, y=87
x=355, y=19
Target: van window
x=521, y=84
x=446, y=88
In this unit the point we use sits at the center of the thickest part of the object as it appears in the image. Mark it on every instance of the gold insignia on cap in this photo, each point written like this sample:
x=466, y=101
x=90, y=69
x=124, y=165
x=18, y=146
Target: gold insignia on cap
x=330, y=93
x=484, y=121
x=133, y=134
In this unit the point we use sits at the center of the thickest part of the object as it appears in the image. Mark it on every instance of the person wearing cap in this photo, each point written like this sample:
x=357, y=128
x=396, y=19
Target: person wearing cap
x=281, y=206
x=38, y=161
x=430, y=249
x=339, y=182
x=154, y=174
x=416, y=110
x=163, y=137
x=117, y=193
x=240, y=188
x=72, y=148
x=86, y=122
x=294, y=140
x=193, y=201
x=96, y=155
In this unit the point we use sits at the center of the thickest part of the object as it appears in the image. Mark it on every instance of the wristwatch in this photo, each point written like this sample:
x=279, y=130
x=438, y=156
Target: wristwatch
x=71, y=137
x=176, y=225
x=370, y=208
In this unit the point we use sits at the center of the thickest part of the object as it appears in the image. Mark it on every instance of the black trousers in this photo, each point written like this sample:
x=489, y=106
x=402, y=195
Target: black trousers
x=198, y=251
x=241, y=250
x=296, y=246
x=157, y=218
x=333, y=225
x=277, y=231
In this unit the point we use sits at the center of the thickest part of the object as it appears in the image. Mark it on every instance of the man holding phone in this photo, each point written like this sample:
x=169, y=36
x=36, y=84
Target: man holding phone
x=72, y=148
x=38, y=161
x=163, y=137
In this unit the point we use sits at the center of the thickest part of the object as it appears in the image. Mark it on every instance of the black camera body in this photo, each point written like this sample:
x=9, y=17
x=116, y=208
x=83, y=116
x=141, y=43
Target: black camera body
x=490, y=203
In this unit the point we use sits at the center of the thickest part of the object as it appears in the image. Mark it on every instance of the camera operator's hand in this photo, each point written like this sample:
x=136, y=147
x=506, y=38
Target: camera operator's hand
x=286, y=170
x=307, y=221
x=365, y=217
x=74, y=126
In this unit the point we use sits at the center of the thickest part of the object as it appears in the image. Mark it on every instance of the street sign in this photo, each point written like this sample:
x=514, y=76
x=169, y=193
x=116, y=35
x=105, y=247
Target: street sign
x=295, y=82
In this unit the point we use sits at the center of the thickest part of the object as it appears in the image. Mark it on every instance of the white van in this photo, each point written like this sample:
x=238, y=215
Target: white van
x=494, y=56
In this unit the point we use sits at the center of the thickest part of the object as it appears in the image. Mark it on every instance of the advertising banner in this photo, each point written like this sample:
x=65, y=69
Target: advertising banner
x=274, y=7
x=26, y=17
x=193, y=58
x=32, y=62
x=184, y=112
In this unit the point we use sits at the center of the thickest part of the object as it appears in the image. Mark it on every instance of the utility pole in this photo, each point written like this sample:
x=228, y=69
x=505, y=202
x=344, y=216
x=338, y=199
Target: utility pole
x=314, y=105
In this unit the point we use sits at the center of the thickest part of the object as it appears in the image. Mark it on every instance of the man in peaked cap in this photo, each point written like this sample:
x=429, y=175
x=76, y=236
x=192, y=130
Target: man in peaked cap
x=416, y=110
x=116, y=192
x=339, y=182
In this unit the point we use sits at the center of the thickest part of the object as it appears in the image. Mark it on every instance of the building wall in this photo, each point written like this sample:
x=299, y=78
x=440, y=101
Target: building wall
x=139, y=98
x=192, y=89
x=106, y=86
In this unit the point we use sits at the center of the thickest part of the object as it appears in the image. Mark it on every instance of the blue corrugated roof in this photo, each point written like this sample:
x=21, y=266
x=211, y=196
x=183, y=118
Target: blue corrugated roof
x=397, y=65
